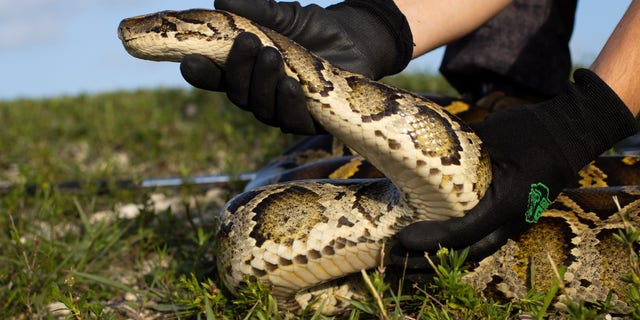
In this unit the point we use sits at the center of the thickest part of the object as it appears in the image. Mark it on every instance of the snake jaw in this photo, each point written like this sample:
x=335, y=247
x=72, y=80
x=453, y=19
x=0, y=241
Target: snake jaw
x=171, y=35
x=142, y=36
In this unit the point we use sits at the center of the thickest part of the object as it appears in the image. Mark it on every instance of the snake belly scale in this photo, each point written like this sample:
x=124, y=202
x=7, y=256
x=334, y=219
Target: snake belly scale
x=300, y=235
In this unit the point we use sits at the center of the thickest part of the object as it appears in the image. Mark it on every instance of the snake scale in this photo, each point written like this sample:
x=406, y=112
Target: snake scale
x=303, y=237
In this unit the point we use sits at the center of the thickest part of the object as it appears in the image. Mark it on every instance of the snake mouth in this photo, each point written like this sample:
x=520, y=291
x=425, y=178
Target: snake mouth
x=122, y=35
x=127, y=29
x=153, y=37
x=139, y=26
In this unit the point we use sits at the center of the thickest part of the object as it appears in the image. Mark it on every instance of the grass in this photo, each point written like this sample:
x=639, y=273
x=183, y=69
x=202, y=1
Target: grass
x=112, y=255
x=147, y=253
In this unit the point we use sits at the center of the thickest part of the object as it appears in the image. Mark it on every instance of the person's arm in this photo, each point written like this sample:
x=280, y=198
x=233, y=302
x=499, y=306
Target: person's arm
x=618, y=64
x=435, y=23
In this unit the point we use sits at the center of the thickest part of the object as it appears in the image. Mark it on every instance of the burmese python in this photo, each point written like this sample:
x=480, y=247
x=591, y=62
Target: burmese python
x=298, y=235
x=576, y=230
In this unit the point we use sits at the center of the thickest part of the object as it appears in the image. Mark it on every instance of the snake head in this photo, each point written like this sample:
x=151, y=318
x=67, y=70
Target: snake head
x=171, y=35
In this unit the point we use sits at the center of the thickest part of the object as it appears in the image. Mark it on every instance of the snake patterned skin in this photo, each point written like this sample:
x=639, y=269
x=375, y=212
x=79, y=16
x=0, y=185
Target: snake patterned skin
x=576, y=231
x=303, y=237
x=299, y=235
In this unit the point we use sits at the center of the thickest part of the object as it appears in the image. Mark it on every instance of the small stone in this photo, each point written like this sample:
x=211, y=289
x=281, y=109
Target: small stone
x=128, y=211
x=58, y=309
x=130, y=297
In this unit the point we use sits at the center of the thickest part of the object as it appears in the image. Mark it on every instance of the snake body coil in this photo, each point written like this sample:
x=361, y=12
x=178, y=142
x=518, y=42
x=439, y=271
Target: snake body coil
x=298, y=235
x=303, y=237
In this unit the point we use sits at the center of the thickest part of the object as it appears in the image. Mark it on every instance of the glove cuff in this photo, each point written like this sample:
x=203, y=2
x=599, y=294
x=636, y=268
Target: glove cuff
x=395, y=29
x=586, y=121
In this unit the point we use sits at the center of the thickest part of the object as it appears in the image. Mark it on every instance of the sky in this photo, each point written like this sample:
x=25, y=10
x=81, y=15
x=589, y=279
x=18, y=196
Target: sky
x=51, y=48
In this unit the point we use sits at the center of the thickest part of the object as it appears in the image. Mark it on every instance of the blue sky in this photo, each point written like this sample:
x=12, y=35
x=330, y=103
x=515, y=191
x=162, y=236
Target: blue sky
x=65, y=47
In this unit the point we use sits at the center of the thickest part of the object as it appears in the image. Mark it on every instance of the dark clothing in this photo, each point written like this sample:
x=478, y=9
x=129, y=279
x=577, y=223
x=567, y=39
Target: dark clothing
x=522, y=51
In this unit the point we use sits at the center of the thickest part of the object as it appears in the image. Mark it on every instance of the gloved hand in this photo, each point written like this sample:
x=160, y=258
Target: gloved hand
x=536, y=150
x=370, y=37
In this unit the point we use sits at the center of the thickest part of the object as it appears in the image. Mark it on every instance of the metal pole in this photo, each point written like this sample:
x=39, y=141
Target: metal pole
x=103, y=186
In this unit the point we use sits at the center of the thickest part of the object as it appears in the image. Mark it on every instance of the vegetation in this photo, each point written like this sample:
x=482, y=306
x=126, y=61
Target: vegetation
x=147, y=253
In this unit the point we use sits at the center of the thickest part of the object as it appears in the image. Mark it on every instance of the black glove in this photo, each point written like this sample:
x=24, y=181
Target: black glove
x=370, y=37
x=536, y=150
